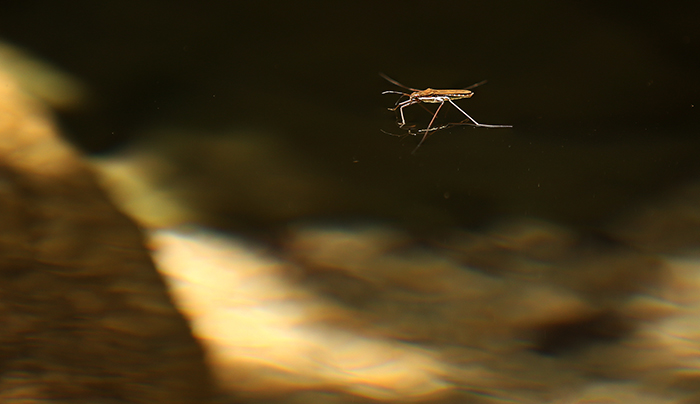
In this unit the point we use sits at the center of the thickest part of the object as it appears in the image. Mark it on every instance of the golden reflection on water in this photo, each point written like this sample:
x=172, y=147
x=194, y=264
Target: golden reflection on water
x=268, y=336
x=369, y=315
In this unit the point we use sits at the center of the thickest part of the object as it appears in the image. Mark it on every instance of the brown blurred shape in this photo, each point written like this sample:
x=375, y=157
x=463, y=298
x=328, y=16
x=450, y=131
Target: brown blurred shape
x=85, y=316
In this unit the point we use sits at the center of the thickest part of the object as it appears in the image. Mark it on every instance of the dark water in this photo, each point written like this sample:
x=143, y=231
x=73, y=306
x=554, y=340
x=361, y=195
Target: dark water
x=602, y=97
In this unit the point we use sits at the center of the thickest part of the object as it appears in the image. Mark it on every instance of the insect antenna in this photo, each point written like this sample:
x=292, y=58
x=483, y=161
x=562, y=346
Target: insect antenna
x=482, y=82
x=396, y=83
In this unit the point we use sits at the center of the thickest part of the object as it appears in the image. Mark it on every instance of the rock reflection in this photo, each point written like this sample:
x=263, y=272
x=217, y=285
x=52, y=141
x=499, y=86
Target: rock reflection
x=370, y=314
x=268, y=336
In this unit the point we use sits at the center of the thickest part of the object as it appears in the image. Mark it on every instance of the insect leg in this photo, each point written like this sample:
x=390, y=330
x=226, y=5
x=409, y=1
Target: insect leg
x=427, y=130
x=435, y=115
x=394, y=134
x=401, y=107
x=394, y=92
x=475, y=122
x=465, y=114
x=397, y=101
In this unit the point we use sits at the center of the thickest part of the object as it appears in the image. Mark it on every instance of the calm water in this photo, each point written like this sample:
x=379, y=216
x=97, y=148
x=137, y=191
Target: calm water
x=400, y=276
x=602, y=101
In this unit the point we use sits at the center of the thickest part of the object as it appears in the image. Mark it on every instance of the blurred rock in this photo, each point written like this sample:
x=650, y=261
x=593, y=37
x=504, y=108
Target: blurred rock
x=367, y=313
x=86, y=318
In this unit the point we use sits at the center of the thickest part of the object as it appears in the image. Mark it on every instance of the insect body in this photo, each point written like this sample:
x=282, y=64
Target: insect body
x=433, y=96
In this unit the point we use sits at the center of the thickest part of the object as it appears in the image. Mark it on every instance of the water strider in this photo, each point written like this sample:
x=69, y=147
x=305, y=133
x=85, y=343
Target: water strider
x=433, y=96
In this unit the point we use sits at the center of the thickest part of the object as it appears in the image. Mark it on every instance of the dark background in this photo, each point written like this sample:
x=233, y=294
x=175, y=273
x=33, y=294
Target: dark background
x=603, y=96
